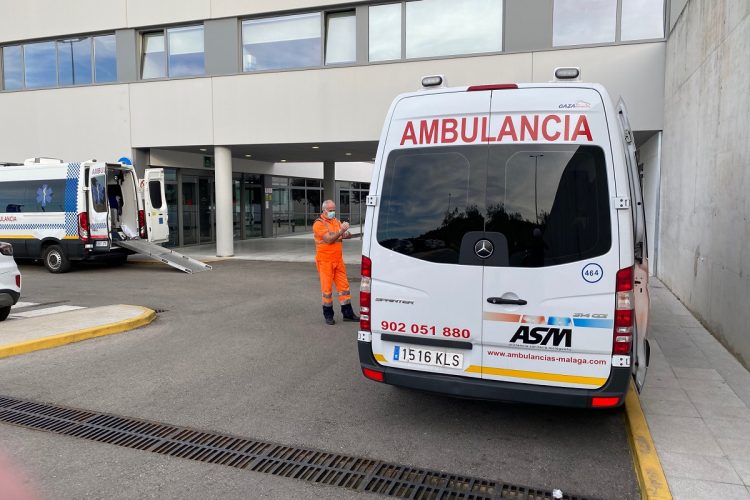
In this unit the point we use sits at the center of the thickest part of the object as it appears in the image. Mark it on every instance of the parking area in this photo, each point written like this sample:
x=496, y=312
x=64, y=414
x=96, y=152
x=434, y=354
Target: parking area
x=243, y=350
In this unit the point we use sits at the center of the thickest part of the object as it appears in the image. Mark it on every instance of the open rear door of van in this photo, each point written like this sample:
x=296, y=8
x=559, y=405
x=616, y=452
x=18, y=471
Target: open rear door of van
x=155, y=205
x=426, y=308
x=98, y=206
x=549, y=299
x=642, y=300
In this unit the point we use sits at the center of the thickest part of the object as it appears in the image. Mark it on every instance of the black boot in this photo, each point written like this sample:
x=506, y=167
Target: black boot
x=328, y=315
x=348, y=313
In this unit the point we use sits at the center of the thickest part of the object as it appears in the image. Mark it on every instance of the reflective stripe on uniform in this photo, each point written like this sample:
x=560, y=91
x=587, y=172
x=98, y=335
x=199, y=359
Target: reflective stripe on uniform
x=327, y=295
x=345, y=302
x=345, y=293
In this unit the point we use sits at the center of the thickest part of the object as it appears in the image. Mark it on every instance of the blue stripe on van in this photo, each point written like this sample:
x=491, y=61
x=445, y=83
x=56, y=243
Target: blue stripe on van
x=593, y=323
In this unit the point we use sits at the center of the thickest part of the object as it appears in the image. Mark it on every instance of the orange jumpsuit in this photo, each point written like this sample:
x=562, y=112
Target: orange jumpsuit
x=329, y=258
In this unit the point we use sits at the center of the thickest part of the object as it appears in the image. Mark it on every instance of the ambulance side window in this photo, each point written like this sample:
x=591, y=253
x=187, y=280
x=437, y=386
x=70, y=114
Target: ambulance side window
x=431, y=197
x=550, y=202
x=98, y=192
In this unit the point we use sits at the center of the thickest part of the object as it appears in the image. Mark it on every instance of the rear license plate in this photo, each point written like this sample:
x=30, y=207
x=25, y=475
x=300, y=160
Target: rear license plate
x=428, y=357
x=102, y=243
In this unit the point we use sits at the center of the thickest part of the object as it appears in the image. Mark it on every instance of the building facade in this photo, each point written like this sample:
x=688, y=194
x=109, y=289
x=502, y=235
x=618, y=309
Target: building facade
x=259, y=110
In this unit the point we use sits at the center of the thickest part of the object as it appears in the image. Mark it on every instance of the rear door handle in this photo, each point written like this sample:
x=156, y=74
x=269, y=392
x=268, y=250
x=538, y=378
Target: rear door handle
x=500, y=300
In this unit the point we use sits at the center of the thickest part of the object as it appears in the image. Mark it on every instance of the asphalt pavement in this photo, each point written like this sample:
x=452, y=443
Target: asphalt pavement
x=243, y=350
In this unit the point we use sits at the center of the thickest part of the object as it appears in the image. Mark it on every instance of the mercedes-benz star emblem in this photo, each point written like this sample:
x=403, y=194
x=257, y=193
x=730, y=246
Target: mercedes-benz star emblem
x=483, y=248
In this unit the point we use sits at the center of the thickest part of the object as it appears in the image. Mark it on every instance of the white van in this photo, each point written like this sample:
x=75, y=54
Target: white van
x=61, y=212
x=504, y=255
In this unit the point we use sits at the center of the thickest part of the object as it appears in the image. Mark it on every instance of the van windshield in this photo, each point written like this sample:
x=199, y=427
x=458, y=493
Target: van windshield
x=551, y=202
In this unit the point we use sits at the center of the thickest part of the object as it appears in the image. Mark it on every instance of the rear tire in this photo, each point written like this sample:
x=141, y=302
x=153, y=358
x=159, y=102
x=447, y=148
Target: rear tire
x=55, y=259
x=4, y=312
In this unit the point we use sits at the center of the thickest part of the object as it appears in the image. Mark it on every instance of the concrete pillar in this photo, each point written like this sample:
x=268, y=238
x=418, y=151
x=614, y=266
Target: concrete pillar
x=223, y=185
x=141, y=160
x=266, y=206
x=329, y=181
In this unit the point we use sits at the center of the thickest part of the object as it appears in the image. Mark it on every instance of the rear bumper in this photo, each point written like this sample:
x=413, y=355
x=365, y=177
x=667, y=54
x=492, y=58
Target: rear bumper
x=8, y=297
x=465, y=387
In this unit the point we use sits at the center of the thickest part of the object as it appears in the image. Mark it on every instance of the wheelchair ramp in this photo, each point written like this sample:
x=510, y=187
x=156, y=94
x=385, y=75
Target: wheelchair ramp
x=165, y=255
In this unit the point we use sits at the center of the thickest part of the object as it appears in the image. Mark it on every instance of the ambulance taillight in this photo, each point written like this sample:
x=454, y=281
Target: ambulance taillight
x=83, y=227
x=141, y=223
x=624, y=312
x=364, y=295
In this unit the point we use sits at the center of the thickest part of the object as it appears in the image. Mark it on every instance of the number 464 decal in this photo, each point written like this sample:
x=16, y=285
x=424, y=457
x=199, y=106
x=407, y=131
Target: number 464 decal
x=592, y=273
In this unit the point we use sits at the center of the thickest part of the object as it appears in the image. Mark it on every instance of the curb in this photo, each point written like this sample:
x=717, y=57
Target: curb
x=651, y=478
x=146, y=317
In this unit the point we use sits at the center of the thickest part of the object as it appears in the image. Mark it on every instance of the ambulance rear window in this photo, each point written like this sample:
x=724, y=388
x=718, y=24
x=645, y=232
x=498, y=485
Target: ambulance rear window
x=550, y=202
x=431, y=197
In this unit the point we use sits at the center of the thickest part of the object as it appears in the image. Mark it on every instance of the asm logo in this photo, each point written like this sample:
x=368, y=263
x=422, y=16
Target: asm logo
x=542, y=335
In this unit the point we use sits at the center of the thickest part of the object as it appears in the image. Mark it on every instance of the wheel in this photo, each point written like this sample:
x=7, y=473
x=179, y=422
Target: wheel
x=55, y=259
x=4, y=312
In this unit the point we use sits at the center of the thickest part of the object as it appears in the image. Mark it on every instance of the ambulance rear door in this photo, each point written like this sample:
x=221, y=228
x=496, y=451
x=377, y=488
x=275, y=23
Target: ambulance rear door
x=155, y=205
x=640, y=250
x=426, y=302
x=549, y=295
x=98, y=206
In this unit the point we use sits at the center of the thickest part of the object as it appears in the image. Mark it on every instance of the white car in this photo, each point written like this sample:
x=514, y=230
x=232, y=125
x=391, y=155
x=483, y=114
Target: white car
x=10, y=280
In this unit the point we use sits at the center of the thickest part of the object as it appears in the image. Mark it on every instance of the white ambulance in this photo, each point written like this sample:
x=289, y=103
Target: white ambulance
x=61, y=212
x=504, y=255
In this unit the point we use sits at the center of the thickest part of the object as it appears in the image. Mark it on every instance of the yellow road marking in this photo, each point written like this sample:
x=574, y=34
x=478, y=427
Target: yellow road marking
x=551, y=377
x=648, y=468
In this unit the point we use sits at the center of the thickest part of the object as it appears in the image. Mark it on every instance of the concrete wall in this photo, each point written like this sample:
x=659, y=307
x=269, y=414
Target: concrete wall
x=705, y=209
x=304, y=106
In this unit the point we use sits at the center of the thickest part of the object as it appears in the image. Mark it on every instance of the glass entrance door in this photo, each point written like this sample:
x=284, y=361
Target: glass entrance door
x=254, y=198
x=189, y=210
x=206, y=212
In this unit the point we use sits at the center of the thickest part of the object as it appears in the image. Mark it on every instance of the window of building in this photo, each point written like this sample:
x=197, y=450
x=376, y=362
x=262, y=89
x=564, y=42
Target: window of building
x=642, y=20
x=13, y=67
x=281, y=42
x=74, y=61
x=154, y=64
x=385, y=32
x=341, y=37
x=173, y=52
x=105, y=58
x=581, y=22
x=186, y=53
x=40, y=64
x=445, y=27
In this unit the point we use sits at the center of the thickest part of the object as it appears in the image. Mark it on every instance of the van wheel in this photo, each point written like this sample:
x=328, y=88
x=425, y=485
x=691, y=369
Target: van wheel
x=4, y=312
x=55, y=259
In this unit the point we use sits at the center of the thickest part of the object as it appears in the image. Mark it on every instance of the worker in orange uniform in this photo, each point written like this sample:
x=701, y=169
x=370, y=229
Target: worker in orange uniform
x=329, y=234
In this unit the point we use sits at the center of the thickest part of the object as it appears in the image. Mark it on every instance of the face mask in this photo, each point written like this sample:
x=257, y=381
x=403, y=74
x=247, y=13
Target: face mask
x=331, y=214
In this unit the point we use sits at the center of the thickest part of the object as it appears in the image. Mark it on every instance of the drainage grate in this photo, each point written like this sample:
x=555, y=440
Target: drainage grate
x=330, y=469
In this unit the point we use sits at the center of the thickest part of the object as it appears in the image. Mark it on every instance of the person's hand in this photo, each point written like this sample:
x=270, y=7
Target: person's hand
x=344, y=226
x=346, y=235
